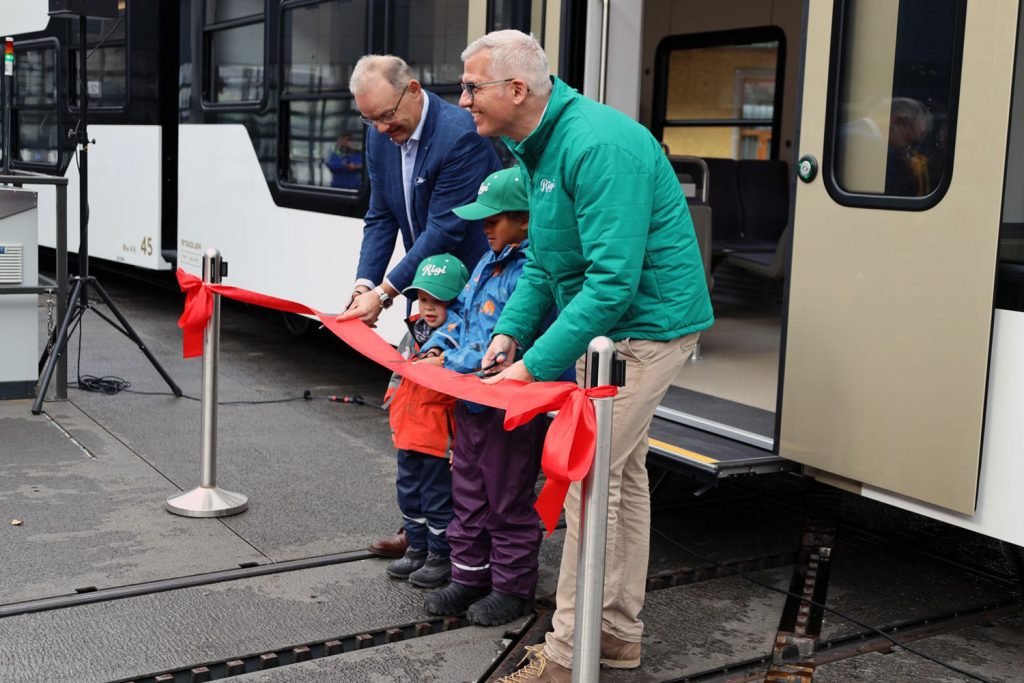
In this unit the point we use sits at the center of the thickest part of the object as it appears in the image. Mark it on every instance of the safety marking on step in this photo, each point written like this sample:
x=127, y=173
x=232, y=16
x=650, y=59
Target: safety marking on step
x=661, y=445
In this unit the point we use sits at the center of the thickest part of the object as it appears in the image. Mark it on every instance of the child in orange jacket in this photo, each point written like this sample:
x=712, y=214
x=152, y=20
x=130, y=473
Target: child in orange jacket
x=423, y=427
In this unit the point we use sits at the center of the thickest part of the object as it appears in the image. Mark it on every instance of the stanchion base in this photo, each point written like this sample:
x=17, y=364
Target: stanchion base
x=203, y=501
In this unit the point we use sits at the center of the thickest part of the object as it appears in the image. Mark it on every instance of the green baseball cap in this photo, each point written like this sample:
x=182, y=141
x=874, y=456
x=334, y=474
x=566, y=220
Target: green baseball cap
x=442, y=276
x=501, y=191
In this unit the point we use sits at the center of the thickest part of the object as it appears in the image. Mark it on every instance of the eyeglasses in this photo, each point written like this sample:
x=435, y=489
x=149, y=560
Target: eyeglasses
x=388, y=117
x=471, y=88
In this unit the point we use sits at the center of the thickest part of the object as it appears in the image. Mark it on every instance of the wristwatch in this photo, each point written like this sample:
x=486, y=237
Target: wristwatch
x=385, y=298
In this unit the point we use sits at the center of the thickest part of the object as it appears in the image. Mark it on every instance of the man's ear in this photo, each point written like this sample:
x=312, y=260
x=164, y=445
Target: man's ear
x=414, y=86
x=519, y=91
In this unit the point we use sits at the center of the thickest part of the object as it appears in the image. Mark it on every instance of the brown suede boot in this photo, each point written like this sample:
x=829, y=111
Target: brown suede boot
x=619, y=654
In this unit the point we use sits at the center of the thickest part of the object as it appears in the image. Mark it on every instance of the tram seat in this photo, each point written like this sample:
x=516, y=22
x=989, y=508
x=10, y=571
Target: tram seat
x=764, y=193
x=749, y=200
x=771, y=265
x=693, y=175
x=724, y=200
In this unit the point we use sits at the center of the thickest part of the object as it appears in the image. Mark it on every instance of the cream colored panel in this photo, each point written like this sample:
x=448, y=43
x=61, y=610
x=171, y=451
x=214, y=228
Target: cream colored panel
x=552, y=34
x=890, y=312
x=477, y=22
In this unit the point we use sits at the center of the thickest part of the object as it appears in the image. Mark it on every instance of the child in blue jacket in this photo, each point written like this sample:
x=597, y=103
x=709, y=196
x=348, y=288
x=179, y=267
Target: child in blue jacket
x=494, y=536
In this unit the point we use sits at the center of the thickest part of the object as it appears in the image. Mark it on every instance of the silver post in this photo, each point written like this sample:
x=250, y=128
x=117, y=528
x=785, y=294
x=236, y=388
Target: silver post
x=593, y=535
x=207, y=500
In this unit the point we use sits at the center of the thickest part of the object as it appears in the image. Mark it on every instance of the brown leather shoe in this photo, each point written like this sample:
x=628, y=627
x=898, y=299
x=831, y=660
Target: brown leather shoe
x=390, y=546
x=619, y=654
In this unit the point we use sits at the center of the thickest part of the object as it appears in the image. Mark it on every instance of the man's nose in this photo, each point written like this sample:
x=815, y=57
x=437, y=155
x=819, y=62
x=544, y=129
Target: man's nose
x=465, y=101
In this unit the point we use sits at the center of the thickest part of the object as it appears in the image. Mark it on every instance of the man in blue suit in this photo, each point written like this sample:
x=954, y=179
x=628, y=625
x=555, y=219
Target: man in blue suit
x=423, y=157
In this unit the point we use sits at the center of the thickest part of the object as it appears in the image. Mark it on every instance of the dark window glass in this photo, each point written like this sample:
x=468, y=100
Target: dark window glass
x=322, y=43
x=185, y=64
x=236, y=64
x=1010, y=273
x=895, y=97
x=106, y=68
x=36, y=137
x=98, y=29
x=34, y=124
x=324, y=138
x=35, y=78
x=234, y=55
x=430, y=35
x=719, y=95
x=106, y=77
x=226, y=10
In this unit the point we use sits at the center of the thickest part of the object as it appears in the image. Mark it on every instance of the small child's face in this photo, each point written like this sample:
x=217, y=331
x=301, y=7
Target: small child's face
x=434, y=311
x=502, y=230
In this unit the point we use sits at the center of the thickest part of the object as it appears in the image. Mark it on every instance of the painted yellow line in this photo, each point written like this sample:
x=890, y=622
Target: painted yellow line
x=680, y=451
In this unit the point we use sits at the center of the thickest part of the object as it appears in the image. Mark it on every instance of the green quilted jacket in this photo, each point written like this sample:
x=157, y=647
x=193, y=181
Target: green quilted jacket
x=611, y=240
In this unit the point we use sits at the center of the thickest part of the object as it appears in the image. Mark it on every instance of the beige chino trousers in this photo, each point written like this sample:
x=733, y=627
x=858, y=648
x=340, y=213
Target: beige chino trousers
x=650, y=368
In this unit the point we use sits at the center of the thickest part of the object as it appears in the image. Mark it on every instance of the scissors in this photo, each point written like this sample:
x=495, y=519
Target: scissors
x=487, y=371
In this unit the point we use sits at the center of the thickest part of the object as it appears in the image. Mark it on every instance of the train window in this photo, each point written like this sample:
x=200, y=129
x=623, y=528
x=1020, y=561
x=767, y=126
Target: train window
x=718, y=93
x=524, y=15
x=233, y=45
x=228, y=10
x=893, y=98
x=106, y=67
x=34, y=138
x=321, y=42
x=432, y=48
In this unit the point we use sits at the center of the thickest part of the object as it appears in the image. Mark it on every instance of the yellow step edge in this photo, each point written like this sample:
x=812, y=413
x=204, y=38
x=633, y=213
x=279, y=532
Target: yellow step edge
x=661, y=445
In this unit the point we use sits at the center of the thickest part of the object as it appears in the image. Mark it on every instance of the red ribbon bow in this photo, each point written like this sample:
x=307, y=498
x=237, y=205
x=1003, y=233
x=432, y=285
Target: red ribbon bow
x=568, y=446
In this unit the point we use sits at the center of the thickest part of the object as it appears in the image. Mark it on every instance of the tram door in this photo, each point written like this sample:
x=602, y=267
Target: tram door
x=890, y=303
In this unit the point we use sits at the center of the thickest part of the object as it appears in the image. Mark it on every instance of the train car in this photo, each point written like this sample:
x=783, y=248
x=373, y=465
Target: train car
x=852, y=167
x=896, y=231
x=215, y=123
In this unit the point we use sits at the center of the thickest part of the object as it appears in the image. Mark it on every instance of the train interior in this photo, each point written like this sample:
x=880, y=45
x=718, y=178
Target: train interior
x=720, y=92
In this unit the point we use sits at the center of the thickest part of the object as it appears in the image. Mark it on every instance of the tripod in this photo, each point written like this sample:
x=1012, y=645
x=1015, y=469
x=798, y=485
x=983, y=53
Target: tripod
x=78, y=302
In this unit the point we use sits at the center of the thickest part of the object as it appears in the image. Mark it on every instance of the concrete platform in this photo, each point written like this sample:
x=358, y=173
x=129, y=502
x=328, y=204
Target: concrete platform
x=149, y=634
x=91, y=512
x=88, y=480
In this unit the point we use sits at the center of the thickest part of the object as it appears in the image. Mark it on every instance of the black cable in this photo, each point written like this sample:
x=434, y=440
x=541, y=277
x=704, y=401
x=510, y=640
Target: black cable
x=111, y=384
x=837, y=613
x=104, y=38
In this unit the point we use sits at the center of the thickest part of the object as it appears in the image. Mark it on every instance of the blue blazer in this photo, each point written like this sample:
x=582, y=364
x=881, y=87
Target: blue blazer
x=451, y=162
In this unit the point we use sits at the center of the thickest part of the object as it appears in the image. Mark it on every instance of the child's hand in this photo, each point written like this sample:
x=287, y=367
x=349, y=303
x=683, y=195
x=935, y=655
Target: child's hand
x=431, y=359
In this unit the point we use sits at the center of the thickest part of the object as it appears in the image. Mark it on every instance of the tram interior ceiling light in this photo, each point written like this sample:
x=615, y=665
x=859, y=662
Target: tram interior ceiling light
x=97, y=9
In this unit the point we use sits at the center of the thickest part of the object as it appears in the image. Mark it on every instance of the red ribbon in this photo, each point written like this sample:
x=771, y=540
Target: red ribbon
x=568, y=446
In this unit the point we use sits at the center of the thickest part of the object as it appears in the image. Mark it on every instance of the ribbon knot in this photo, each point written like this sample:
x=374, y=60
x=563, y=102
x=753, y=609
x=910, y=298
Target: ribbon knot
x=569, y=445
x=198, y=309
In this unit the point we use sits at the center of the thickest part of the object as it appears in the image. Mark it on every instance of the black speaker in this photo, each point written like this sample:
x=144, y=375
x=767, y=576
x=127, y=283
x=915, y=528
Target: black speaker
x=98, y=9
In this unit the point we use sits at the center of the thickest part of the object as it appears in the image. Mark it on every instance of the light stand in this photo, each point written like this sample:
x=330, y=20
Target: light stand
x=79, y=303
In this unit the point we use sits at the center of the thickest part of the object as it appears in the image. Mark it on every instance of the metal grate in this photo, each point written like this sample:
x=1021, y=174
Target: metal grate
x=11, y=268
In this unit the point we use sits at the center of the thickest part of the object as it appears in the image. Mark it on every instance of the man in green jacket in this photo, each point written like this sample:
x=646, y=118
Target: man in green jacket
x=613, y=247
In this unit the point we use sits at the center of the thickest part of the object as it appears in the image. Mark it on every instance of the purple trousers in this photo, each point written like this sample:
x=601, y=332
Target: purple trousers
x=495, y=535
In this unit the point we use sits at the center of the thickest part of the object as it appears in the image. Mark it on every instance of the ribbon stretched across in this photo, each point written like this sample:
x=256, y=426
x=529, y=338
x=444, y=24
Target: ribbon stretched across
x=568, y=447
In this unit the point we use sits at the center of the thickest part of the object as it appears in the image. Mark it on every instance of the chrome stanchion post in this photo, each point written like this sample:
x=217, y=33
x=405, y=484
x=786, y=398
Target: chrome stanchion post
x=593, y=535
x=207, y=499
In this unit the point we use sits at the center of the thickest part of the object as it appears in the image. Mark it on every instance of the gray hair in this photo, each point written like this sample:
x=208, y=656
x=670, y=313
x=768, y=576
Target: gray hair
x=515, y=55
x=389, y=67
